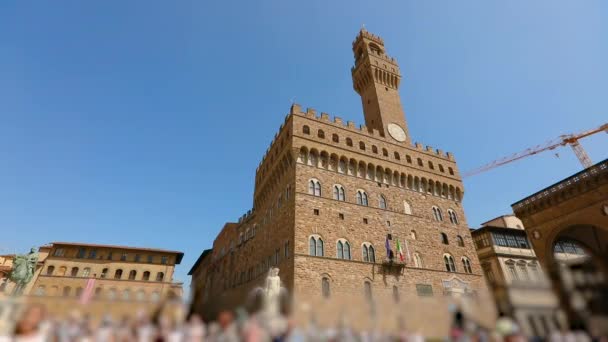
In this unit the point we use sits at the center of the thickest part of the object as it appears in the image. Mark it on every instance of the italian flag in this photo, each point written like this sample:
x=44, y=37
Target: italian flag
x=399, y=250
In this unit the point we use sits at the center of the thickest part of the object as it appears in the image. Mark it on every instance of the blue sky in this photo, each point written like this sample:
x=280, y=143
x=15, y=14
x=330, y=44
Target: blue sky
x=142, y=122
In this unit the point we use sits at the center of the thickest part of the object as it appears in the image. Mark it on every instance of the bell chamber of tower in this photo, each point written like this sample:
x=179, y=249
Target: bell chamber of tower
x=376, y=79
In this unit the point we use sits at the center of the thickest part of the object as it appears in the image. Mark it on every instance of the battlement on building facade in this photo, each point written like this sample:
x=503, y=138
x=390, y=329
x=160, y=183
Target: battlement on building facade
x=311, y=113
x=365, y=34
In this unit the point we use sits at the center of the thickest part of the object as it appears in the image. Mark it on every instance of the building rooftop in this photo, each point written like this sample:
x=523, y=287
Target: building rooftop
x=566, y=183
x=200, y=259
x=179, y=254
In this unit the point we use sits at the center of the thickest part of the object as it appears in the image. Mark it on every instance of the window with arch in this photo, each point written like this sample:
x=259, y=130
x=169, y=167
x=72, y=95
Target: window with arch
x=466, y=265
x=420, y=162
x=74, y=272
x=374, y=149
x=118, y=274
x=126, y=294
x=408, y=159
x=132, y=274
x=452, y=216
x=67, y=291
x=314, y=187
x=437, y=215
x=413, y=235
x=155, y=296
x=321, y=134
x=112, y=294
x=339, y=192
x=349, y=142
x=367, y=288
x=97, y=293
x=325, y=289
x=397, y=156
x=62, y=270
x=444, y=239
x=459, y=241
x=523, y=270
x=361, y=145
x=362, y=197
x=441, y=168
x=104, y=273
x=86, y=272
x=315, y=246
x=335, y=138
x=368, y=252
x=431, y=166
x=451, y=171
x=343, y=250
x=418, y=260
x=449, y=263
x=140, y=295
x=306, y=130
x=50, y=270
x=160, y=276
x=79, y=291
x=146, y=276
x=382, y=202
x=385, y=152
x=407, y=208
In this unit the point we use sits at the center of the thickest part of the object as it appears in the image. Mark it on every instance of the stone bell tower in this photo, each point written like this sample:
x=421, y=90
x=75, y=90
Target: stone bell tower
x=376, y=79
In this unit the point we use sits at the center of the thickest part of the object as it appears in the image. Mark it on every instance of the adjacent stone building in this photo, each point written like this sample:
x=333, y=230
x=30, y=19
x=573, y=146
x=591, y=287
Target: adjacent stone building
x=101, y=279
x=520, y=287
x=328, y=198
x=567, y=223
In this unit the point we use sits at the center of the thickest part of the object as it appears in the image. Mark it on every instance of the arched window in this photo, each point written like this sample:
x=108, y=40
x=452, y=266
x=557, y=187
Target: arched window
x=321, y=134
x=62, y=270
x=431, y=165
x=67, y=291
x=132, y=274
x=339, y=192
x=315, y=244
x=384, y=152
x=437, y=215
x=140, y=295
x=361, y=145
x=459, y=241
x=449, y=263
x=451, y=171
x=361, y=197
x=314, y=187
x=98, y=292
x=413, y=235
x=50, y=270
x=86, y=272
x=155, y=296
x=349, y=142
x=466, y=264
x=146, y=276
x=374, y=149
x=112, y=294
x=452, y=216
x=368, y=252
x=408, y=159
x=118, y=274
x=367, y=288
x=407, y=208
x=441, y=168
x=126, y=294
x=325, y=287
x=104, y=273
x=420, y=162
x=306, y=130
x=444, y=239
x=335, y=138
x=343, y=250
x=78, y=291
x=418, y=261
x=382, y=202
x=397, y=156
x=160, y=276
x=74, y=272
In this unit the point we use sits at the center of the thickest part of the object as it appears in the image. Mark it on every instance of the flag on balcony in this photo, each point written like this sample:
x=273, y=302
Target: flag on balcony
x=399, y=250
x=87, y=294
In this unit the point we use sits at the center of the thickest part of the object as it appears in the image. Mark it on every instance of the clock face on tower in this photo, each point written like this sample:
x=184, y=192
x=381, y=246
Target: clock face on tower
x=396, y=132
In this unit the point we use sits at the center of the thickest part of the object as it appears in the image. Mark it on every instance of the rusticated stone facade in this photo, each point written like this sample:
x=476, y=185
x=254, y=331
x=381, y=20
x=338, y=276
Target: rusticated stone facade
x=326, y=180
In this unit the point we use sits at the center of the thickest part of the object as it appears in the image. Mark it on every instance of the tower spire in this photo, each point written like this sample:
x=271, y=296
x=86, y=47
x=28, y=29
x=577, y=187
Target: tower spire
x=376, y=78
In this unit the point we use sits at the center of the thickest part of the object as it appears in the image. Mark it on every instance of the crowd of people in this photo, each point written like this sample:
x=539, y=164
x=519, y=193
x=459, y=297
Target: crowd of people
x=36, y=326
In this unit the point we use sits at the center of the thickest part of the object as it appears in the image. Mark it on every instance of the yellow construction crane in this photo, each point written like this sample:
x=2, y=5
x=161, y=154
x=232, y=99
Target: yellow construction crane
x=562, y=140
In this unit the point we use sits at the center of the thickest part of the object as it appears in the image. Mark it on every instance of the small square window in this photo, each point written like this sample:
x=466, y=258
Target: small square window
x=163, y=260
x=123, y=257
x=316, y=212
x=150, y=259
x=341, y=216
x=388, y=223
x=365, y=220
